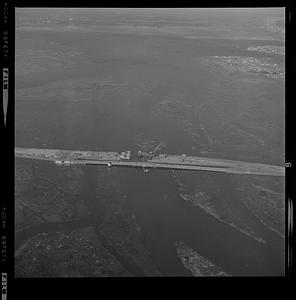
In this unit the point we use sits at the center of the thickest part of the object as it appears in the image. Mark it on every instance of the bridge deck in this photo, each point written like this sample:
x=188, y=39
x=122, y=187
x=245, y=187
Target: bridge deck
x=174, y=162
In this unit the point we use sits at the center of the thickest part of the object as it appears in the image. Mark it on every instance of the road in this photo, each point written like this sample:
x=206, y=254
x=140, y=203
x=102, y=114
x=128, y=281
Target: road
x=170, y=162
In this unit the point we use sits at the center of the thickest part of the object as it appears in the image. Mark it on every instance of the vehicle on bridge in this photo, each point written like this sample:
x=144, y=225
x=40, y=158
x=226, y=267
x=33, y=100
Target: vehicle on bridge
x=63, y=162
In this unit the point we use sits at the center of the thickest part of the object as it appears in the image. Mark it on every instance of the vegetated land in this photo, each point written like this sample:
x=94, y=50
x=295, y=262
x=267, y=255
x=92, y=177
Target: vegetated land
x=52, y=218
x=40, y=198
x=197, y=264
x=76, y=253
x=279, y=50
x=247, y=64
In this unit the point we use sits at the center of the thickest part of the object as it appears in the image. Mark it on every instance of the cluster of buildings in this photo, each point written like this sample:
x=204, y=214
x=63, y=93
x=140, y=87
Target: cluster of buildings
x=145, y=154
x=125, y=154
x=149, y=155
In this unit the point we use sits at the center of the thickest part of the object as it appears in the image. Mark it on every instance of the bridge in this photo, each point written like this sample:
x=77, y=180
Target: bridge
x=161, y=161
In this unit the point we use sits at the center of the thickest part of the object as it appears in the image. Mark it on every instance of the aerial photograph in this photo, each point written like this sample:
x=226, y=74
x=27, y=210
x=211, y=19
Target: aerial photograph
x=149, y=142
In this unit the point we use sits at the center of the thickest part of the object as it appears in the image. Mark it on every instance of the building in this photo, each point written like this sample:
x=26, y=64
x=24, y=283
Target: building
x=145, y=154
x=125, y=154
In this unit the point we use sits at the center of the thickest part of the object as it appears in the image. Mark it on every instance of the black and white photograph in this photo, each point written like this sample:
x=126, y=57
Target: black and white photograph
x=149, y=142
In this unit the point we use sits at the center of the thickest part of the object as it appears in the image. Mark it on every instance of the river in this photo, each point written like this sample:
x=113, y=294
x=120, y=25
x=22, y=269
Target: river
x=59, y=105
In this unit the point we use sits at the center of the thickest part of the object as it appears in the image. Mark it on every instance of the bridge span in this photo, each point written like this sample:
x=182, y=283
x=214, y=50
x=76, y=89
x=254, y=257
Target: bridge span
x=161, y=161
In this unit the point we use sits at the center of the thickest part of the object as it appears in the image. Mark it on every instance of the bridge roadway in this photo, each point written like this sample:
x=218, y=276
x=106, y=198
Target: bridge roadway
x=171, y=162
x=171, y=166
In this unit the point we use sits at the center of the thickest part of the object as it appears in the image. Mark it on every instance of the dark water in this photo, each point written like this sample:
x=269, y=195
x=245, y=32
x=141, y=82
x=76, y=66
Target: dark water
x=157, y=68
x=167, y=219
